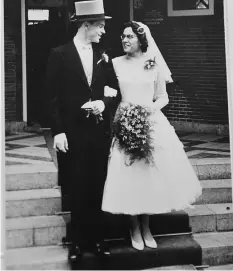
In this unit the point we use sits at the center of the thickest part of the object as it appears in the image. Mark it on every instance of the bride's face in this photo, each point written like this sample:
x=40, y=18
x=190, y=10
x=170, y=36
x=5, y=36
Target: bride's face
x=130, y=41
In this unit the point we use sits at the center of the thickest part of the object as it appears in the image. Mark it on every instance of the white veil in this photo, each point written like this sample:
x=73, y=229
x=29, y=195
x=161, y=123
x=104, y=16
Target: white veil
x=154, y=52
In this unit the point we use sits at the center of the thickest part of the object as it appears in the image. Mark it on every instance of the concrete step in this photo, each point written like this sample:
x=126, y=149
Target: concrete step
x=34, y=231
x=31, y=177
x=174, y=267
x=220, y=267
x=211, y=217
x=215, y=191
x=49, y=230
x=172, y=250
x=217, y=249
x=41, y=258
x=212, y=168
x=32, y=202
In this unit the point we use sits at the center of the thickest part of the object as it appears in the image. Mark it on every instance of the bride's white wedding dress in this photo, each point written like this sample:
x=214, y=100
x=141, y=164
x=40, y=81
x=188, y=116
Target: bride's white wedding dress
x=141, y=189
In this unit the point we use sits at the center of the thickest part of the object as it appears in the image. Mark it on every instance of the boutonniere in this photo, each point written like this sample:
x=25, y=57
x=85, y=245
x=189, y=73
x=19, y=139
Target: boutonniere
x=150, y=63
x=104, y=57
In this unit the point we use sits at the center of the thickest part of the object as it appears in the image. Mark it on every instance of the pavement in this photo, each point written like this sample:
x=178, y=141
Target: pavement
x=30, y=148
x=27, y=148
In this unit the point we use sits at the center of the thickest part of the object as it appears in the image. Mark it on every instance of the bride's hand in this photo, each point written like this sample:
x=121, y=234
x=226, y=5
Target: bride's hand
x=109, y=92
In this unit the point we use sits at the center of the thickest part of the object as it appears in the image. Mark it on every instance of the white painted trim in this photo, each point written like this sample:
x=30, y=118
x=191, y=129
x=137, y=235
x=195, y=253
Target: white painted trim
x=200, y=12
x=131, y=7
x=24, y=68
x=228, y=21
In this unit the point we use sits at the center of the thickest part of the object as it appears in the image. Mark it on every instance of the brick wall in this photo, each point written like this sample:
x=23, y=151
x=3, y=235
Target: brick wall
x=196, y=56
x=10, y=75
x=13, y=60
x=194, y=49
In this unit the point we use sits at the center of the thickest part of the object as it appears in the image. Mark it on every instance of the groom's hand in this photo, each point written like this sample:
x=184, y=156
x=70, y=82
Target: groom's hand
x=97, y=107
x=60, y=143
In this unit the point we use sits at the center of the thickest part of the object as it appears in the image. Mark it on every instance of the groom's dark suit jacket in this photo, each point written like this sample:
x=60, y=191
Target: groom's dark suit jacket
x=68, y=90
x=82, y=170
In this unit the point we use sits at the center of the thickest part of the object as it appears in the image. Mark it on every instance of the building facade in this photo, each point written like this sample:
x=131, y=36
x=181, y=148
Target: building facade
x=190, y=35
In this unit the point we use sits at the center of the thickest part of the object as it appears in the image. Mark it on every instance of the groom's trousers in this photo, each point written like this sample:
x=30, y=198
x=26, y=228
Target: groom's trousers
x=82, y=174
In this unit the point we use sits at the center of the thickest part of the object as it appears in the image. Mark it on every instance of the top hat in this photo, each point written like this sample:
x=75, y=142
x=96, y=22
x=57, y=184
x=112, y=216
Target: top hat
x=89, y=11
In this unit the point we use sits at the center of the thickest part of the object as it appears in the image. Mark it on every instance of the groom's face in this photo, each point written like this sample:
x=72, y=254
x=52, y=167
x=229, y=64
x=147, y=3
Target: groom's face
x=95, y=30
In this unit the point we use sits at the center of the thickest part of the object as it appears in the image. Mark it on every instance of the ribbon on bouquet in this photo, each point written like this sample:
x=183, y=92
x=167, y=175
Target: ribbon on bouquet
x=99, y=117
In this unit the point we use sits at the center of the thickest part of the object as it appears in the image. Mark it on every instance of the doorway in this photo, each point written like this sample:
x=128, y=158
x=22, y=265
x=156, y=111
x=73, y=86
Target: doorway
x=46, y=28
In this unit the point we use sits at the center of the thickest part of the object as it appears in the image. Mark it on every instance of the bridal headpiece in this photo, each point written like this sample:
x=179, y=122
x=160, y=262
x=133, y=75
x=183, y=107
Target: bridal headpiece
x=153, y=52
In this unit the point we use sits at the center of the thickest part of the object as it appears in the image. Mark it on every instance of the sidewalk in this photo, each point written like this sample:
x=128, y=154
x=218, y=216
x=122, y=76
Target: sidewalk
x=27, y=148
x=202, y=149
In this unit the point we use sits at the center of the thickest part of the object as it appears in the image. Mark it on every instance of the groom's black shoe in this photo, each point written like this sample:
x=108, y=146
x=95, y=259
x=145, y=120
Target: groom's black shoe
x=101, y=250
x=75, y=253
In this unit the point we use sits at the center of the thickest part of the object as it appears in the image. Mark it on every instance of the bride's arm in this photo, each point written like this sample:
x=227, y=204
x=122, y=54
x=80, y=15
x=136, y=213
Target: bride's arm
x=160, y=97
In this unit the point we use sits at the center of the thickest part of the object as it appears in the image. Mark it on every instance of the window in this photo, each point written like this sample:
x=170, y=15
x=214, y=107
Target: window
x=36, y=16
x=190, y=7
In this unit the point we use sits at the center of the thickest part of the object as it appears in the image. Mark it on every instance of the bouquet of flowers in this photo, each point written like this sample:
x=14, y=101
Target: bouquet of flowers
x=132, y=131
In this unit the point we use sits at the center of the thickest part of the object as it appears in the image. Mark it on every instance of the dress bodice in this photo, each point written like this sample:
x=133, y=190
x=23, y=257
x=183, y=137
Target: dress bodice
x=137, y=85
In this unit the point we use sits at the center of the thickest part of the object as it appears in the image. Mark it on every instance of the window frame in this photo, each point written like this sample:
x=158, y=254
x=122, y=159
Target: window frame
x=197, y=12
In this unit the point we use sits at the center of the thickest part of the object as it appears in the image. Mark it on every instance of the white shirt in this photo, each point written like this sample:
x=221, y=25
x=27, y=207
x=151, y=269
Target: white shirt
x=86, y=55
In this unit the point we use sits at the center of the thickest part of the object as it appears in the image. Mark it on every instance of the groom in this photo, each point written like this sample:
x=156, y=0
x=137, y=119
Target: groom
x=80, y=116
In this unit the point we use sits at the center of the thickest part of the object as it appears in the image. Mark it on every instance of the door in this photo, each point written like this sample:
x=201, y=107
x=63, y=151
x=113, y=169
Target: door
x=45, y=29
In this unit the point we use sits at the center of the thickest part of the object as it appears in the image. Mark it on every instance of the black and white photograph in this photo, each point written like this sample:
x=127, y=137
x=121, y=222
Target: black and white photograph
x=117, y=135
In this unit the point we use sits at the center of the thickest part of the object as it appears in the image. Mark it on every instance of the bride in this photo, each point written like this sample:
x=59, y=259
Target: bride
x=134, y=186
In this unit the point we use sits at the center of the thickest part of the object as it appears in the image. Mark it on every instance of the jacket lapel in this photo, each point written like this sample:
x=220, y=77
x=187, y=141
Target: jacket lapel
x=95, y=66
x=77, y=62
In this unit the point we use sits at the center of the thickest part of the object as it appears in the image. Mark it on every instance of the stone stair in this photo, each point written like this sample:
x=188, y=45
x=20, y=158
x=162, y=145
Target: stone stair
x=215, y=191
x=38, y=202
x=217, y=249
x=41, y=176
x=47, y=230
x=34, y=230
x=212, y=169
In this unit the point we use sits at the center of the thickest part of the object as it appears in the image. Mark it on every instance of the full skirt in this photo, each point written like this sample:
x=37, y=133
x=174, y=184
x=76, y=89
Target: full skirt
x=170, y=184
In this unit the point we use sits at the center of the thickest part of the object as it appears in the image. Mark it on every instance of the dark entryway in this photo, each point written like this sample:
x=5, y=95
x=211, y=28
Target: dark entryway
x=46, y=28
x=53, y=29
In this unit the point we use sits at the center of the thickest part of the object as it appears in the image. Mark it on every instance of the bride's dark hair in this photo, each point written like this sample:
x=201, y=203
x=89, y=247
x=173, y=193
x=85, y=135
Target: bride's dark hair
x=139, y=31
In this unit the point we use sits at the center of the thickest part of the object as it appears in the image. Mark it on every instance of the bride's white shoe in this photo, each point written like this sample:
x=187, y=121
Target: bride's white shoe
x=136, y=245
x=150, y=243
